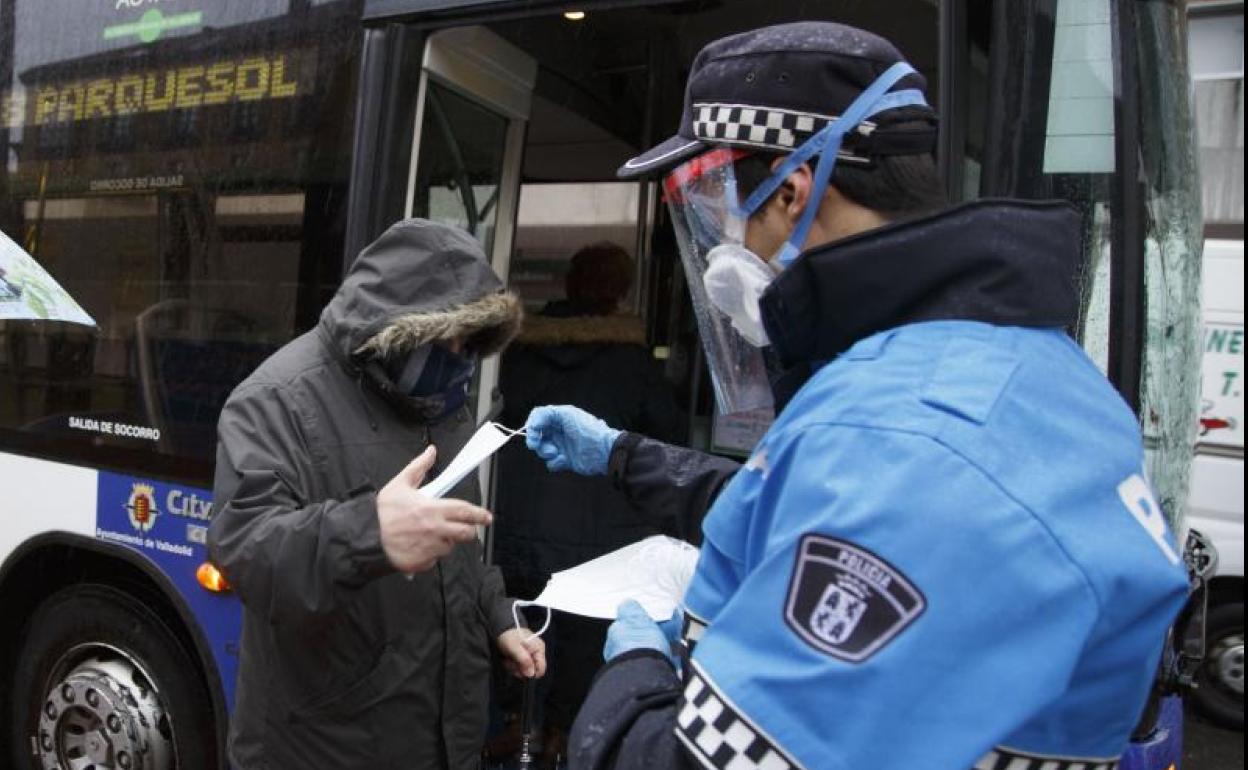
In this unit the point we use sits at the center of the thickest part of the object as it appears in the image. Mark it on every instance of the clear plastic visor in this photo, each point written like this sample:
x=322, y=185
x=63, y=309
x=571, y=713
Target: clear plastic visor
x=705, y=206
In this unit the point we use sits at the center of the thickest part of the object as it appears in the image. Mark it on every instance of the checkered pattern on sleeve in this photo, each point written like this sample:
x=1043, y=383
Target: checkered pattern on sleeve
x=1009, y=759
x=719, y=736
x=758, y=127
x=691, y=630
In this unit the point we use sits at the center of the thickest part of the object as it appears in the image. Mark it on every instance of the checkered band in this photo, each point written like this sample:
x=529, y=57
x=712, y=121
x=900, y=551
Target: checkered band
x=1008, y=759
x=719, y=736
x=758, y=127
x=692, y=630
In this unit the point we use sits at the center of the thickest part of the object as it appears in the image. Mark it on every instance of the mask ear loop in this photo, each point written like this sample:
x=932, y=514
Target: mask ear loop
x=515, y=615
x=517, y=604
x=414, y=367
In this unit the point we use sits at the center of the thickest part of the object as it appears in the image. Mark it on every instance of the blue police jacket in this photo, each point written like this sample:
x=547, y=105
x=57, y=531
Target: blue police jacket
x=944, y=554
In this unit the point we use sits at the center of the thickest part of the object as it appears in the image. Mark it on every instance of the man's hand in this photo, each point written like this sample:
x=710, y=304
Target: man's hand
x=568, y=438
x=416, y=530
x=524, y=653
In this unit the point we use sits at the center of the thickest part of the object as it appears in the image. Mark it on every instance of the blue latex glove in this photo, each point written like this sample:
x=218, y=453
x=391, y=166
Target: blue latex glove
x=634, y=630
x=568, y=438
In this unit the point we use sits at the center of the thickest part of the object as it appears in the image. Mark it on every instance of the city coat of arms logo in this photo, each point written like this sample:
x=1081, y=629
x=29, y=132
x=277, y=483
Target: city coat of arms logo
x=141, y=507
x=837, y=613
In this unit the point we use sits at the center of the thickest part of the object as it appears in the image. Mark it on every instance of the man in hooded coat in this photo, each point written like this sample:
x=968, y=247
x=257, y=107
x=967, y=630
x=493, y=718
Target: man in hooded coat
x=369, y=614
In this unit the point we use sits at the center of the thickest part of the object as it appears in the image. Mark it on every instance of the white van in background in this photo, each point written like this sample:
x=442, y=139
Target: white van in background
x=1216, y=502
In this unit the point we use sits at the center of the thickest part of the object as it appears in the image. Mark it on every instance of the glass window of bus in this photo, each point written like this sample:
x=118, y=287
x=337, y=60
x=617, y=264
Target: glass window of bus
x=1216, y=42
x=1068, y=102
x=1047, y=130
x=1172, y=235
x=460, y=163
x=182, y=175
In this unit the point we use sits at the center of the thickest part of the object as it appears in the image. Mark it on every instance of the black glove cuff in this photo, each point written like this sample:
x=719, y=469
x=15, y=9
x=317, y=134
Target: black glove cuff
x=617, y=463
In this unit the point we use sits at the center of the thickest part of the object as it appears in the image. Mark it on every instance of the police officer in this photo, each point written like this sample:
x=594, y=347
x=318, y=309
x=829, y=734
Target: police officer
x=943, y=554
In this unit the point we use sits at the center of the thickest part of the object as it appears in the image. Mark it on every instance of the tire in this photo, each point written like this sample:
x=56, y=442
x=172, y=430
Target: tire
x=102, y=681
x=1220, y=684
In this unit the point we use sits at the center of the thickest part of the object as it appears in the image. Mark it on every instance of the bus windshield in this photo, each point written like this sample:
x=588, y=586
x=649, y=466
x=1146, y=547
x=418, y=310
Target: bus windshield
x=183, y=178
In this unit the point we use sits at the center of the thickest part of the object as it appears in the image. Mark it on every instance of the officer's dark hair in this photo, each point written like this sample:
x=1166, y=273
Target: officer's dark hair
x=894, y=186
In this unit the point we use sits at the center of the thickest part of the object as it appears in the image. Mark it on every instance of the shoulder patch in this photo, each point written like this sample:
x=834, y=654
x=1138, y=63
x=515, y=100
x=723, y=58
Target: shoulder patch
x=847, y=602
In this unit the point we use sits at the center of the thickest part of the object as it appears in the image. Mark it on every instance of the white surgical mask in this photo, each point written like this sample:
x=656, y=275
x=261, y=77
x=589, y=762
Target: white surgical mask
x=735, y=279
x=488, y=439
x=654, y=572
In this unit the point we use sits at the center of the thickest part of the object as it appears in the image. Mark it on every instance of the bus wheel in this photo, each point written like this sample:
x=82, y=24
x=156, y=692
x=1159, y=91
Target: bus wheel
x=102, y=682
x=1220, y=690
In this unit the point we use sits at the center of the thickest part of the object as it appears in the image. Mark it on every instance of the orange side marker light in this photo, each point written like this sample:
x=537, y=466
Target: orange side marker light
x=211, y=578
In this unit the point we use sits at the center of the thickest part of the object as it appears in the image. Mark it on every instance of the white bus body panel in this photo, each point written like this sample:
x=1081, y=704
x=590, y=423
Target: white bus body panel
x=1216, y=500
x=41, y=497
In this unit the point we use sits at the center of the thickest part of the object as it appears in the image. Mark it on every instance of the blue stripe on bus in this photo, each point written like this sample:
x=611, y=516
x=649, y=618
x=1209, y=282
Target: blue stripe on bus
x=168, y=524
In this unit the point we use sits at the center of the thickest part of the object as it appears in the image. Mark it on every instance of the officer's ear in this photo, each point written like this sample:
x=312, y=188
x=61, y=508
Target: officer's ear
x=794, y=192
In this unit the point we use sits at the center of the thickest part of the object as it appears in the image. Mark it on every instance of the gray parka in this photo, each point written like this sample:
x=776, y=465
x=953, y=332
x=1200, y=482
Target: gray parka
x=344, y=663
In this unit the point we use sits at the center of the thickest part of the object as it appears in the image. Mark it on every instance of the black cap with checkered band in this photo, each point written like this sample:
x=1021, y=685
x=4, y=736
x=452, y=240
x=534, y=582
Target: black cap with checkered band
x=773, y=88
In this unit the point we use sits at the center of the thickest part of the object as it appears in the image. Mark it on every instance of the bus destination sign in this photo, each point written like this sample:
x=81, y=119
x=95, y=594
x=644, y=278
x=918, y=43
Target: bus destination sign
x=245, y=79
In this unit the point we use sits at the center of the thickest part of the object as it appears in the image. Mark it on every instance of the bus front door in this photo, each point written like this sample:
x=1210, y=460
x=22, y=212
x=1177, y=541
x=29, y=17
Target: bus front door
x=475, y=91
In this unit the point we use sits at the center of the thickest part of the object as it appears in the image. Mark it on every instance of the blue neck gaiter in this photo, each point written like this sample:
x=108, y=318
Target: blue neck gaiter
x=433, y=370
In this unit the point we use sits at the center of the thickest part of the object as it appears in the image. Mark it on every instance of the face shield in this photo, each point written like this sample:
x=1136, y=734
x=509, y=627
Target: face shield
x=726, y=280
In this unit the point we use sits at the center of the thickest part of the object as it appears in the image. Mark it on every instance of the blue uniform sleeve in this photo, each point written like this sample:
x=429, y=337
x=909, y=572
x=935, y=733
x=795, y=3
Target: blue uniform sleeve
x=873, y=600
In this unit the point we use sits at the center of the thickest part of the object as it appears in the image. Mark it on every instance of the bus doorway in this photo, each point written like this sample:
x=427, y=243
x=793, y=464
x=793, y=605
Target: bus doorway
x=609, y=84
x=516, y=130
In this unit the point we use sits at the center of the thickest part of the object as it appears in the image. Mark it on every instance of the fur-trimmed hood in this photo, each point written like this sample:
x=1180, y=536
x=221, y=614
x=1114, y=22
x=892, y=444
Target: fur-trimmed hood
x=570, y=342
x=582, y=330
x=488, y=324
x=420, y=282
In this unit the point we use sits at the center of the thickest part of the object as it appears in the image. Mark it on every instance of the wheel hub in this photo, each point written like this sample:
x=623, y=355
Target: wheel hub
x=103, y=714
x=1227, y=663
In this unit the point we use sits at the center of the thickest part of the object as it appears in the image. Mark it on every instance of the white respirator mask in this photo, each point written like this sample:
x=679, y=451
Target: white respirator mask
x=734, y=281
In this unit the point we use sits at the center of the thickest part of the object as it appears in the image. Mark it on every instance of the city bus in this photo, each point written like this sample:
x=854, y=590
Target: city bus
x=184, y=182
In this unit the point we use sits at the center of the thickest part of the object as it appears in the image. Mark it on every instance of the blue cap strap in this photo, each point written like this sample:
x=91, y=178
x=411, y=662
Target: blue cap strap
x=864, y=105
x=870, y=102
x=790, y=164
x=908, y=97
